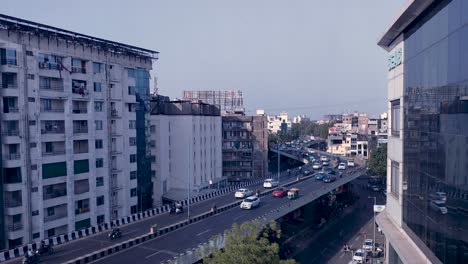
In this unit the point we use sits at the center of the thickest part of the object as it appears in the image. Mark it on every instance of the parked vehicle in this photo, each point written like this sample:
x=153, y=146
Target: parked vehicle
x=280, y=192
x=368, y=244
x=250, y=202
x=358, y=256
x=438, y=206
x=325, y=163
x=342, y=166
x=242, y=193
x=270, y=183
x=438, y=196
x=350, y=163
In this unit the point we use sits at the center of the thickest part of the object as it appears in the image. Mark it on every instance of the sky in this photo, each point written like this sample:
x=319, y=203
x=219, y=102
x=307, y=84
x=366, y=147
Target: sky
x=300, y=56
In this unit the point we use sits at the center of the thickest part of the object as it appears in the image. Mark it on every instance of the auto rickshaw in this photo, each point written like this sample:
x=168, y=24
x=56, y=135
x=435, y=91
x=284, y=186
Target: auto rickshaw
x=293, y=193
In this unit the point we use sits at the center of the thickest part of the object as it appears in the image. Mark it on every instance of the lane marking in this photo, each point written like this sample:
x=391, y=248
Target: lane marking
x=149, y=256
x=237, y=218
x=356, y=239
x=208, y=230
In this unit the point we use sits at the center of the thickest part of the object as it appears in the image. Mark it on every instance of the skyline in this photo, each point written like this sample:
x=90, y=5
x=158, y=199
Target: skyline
x=228, y=46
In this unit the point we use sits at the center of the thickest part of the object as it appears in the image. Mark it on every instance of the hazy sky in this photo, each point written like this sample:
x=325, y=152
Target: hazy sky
x=302, y=56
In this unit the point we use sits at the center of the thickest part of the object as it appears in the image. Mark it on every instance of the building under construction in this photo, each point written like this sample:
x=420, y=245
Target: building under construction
x=227, y=101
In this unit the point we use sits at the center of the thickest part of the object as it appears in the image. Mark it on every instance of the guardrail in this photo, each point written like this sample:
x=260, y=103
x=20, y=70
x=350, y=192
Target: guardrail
x=74, y=235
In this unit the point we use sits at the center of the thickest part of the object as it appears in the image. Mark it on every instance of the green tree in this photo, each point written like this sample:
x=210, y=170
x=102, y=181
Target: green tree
x=249, y=243
x=378, y=161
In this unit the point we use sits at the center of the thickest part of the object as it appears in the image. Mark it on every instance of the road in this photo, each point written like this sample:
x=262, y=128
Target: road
x=89, y=244
x=169, y=245
x=326, y=246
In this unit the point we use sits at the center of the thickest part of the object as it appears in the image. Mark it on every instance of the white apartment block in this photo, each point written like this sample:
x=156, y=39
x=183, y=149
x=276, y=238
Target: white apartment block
x=187, y=145
x=279, y=122
x=68, y=124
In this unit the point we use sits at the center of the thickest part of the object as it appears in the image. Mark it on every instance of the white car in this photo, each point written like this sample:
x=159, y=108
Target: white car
x=325, y=163
x=250, y=202
x=323, y=158
x=358, y=256
x=438, y=196
x=242, y=193
x=342, y=166
x=438, y=206
x=270, y=183
x=368, y=244
x=350, y=163
x=316, y=166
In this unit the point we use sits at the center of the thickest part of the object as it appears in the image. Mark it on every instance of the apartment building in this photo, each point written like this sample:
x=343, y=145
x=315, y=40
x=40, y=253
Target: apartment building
x=426, y=216
x=279, y=123
x=69, y=143
x=185, y=147
x=245, y=146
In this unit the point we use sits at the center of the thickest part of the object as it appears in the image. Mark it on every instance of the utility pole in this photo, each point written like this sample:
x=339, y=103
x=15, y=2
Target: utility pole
x=188, y=176
x=375, y=202
x=278, y=151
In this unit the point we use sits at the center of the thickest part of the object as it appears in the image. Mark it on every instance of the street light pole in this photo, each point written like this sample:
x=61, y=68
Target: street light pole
x=278, y=151
x=375, y=202
x=188, y=176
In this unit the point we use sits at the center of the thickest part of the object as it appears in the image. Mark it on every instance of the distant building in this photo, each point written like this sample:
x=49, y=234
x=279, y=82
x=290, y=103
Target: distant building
x=226, y=101
x=299, y=119
x=279, y=123
x=185, y=148
x=245, y=146
x=334, y=117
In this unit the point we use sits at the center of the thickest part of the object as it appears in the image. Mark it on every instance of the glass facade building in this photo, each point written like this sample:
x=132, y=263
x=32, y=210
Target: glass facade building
x=435, y=111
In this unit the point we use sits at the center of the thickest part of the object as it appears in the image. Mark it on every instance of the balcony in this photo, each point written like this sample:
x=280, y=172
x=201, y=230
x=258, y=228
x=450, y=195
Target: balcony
x=48, y=65
x=11, y=202
x=9, y=81
x=8, y=61
x=55, y=193
x=80, y=130
x=53, y=153
x=10, y=109
x=53, y=131
x=49, y=218
x=55, y=212
x=80, y=110
x=12, y=156
x=79, y=87
x=14, y=227
x=114, y=113
x=10, y=133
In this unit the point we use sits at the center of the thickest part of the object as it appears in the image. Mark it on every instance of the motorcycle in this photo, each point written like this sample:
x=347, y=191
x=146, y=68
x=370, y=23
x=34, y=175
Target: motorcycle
x=115, y=234
x=31, y=259
x=45, y=250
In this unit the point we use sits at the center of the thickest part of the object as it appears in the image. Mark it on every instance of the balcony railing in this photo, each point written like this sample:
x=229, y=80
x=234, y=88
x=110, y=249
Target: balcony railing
x=81, y=210
x=55, y=194
x=15, y=227
x=49, y=218
x=53, y=153
x=114, y=112
x=78, y=70
x=51, y=87
x=48, y=65
x=4, y=61
x=9, y=85
x=80, y=111
x=52, y=110
x=12, y=203
x=11, y=110
x=53, y=131
x=80, y=130
x=12, y=156
x=10, y=133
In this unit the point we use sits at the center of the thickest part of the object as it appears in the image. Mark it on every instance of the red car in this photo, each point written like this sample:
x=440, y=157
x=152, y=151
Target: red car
x=280, y=192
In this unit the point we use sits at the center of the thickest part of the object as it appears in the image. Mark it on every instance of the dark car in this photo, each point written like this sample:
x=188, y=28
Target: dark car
x=329, y=178
x=330, y=171
x=319, y=176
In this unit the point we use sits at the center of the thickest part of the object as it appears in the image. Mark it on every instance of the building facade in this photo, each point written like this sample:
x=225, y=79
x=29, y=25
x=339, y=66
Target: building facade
x=279, y=123
x=245, y=147
x=186, y=146
x=69, y=129
x=426, y=217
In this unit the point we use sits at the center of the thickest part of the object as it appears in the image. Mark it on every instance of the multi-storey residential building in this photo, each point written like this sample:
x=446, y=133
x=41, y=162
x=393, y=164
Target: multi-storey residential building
x=426, y=216
x=279, y=123
x=69, y=113
x=185, y=148
x=245, y=146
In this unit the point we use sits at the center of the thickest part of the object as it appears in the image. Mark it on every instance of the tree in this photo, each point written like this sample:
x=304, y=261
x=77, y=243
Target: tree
x=249, y=243
x=378, y=161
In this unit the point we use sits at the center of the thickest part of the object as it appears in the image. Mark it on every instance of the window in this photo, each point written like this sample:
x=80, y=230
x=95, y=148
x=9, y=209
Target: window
x=132, y=141
x=153, y=174
x=133, y=192
x=50, y=211
x=395, y=116
x=132, y=158
x=52, y=170
x=131, y=73
x=100, y=219
x=78, y=65
x=99, y=163
x=98, y=124
x=97, y=87
x=98, y=106
x=152, y=128
x=131, y=90
x=98, y=144
x=395, y=172
x=32, y=145
x=8, y=56
x=36, y=235
x=133, y=175
x=34, y=189
x=132, y=124
x=80, y=166
x=97, y=67
x=34, y=167
x=33, y=213
x=100, y=200
x=133, y=209
x=30, y=76
x=29, y=53
x=32, y=122
x=99, y=181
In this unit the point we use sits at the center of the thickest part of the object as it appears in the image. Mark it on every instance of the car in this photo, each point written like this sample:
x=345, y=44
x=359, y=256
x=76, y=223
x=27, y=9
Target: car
x=350, y=163
x=242, y=193
x=342, y=166
x=325, y=163
x=280, y=192
x=306, y=172
x=330, y=171
x=358, y=256
x=270, y=183
x=329, y=178
x=250, y=202
x=316, y=166
x=368, y=244
x=438, y=206
x=319, y=176
x=438, y=196
x=375, y=188
x=323, y=158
